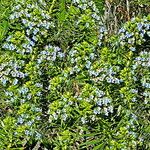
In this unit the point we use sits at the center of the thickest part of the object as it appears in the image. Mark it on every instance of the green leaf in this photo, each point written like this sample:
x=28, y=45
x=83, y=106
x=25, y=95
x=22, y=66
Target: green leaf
x=3, y=29
x=88, y=143
x=99, y=147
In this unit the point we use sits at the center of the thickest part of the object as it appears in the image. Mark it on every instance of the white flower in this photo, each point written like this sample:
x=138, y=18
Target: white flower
x=132, y=49
x=76, y=1
x=55, y=116
x=88, y=64
x=29, y=123
x=12, y=17
x=20, y=120
x=64, y=117
x=38, y=118
x=3, y=80
x=17, y=7
x=110, y=108
x=39, y=85
x=32, y=43
x=28, y=15
x=22, y=100
x=90, y=3
x=38, y=93
x=15, y=81
x=97, y=110
x=34, y=38
x=36, y=30
x=27, y=132
x=99, y=102
x=61, y=55
x=38, y=135
x=93, y=118
x=83, y=120
x=28, y=32
x=105, y=111
x=29, y=96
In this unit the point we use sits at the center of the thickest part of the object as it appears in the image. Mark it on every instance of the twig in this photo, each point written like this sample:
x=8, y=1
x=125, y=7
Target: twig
x=128, y=9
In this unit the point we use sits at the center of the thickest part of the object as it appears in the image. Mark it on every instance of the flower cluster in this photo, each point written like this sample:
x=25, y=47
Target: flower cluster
x=50, y=53
x=34, y=23
x=132, y=36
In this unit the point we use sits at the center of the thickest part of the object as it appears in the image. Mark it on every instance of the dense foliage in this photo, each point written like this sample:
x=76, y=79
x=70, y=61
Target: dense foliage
x=70, y=81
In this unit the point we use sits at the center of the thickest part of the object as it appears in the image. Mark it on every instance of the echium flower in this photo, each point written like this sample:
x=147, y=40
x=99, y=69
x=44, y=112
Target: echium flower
x=97, y=110
x=15, y=81
x=99, y=102
x=20, y=120
x=28, y=133
x=139, y=26
x=110, y=109
x=106, y=111
x=83, y=120
x=133, y=49
x=3, y=80
x=38, y=135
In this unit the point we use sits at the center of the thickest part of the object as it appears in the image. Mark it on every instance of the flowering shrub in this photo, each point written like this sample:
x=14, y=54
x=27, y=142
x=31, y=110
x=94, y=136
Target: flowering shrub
x=65, y=84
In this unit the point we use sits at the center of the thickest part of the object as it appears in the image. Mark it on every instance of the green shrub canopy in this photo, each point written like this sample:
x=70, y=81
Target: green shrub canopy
x=68, y=85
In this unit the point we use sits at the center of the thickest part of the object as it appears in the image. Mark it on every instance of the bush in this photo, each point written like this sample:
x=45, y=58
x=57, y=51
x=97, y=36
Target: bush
x=65, y=84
